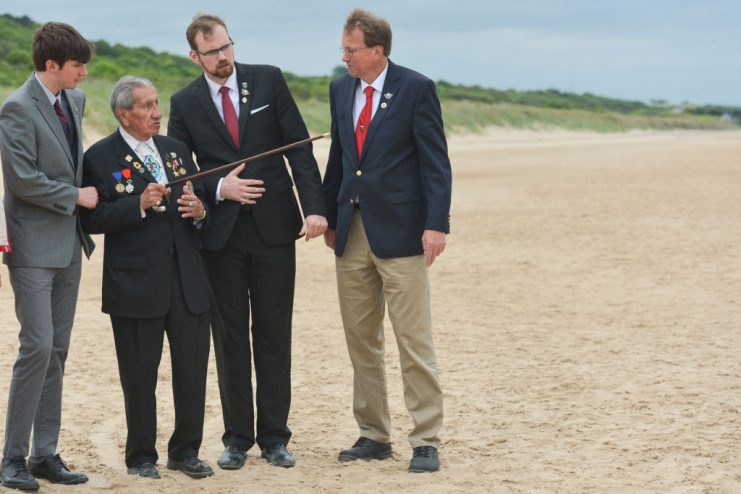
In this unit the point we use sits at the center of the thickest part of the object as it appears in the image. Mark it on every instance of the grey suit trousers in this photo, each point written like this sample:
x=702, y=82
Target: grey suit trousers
x=45, y=301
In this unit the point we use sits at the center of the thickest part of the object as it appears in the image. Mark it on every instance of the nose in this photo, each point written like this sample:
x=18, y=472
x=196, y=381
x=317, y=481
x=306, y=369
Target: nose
x=345, y=57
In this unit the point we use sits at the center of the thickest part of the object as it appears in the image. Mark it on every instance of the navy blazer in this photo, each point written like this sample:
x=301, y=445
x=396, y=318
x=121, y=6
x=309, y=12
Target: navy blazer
x=403, y=178
x=268, y=118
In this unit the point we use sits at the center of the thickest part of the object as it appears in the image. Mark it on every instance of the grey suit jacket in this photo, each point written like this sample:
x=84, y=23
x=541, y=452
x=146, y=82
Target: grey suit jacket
x=41, y=179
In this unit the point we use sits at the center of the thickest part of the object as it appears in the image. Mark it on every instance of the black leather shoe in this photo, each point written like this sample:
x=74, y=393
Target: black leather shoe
x=192, y=467
x=366, y=449
x=232, y=458
x=424, y=459
x=55, y=470
x=15, y=475
x=278, y=455
x=147, y=470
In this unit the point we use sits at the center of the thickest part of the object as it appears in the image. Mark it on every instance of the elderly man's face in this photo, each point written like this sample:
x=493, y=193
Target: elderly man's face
x=143, y=120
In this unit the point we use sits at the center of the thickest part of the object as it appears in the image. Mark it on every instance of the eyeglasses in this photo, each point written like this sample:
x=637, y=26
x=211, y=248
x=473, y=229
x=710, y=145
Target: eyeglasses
x=215, y=52
x=351, y=51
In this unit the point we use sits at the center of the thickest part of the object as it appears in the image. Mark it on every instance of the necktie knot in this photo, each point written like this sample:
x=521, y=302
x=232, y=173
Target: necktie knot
x=368, y=92
x=224, y=90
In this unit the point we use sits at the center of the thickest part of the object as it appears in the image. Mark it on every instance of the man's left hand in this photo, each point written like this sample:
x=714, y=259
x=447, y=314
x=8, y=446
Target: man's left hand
x=433, y=243
x=314, y=226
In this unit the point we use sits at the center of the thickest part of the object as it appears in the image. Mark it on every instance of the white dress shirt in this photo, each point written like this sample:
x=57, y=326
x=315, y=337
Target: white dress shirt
x=360, y=95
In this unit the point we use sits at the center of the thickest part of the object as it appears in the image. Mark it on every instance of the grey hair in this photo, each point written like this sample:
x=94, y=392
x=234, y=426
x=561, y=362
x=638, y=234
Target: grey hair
x=122, y=96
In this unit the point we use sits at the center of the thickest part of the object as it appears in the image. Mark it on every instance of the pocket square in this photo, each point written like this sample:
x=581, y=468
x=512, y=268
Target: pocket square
x=258, y=109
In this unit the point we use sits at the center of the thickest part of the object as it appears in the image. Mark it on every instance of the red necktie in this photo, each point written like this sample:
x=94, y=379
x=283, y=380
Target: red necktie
x=230, y=116
x=364, y=120
x=62, y=116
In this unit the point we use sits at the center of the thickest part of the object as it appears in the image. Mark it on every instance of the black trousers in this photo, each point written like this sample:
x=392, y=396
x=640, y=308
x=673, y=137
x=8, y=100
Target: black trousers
x=139, y=350
x=249, y=275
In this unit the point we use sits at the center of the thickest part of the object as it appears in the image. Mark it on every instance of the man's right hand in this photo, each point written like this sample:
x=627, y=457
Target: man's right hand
x=87, y=197
x=244, y=190
x=152, y=195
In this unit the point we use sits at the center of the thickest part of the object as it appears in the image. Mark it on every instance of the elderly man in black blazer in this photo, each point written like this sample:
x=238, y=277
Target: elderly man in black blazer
x=231, y=112
x=154, y=281
x=388, y=188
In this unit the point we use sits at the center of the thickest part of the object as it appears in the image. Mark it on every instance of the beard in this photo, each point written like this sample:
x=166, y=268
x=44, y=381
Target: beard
x=222, y=70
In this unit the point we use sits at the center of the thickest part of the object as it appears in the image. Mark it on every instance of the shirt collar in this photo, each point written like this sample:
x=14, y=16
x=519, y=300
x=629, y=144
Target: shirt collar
x=378, y=83
x=231, y=83
x=52, y=97
x=133, y=142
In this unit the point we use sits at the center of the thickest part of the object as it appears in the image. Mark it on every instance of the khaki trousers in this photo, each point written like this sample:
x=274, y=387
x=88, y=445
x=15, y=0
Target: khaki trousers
x=365, y=284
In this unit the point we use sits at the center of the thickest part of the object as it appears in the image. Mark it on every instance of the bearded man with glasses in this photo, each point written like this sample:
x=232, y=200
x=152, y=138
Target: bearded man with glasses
x=232, y=112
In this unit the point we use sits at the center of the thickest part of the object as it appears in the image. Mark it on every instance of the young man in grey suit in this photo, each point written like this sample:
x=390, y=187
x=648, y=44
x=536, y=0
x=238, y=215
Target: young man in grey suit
x=41, y=149
x=387, y=189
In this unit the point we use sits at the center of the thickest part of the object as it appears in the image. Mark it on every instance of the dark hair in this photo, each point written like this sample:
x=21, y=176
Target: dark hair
x=202, y=23
x=376, y=31
x=59, y=42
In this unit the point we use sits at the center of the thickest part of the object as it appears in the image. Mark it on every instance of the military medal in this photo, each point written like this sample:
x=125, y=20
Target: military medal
x=129, y=183
x=245, y=92
x=119, y=186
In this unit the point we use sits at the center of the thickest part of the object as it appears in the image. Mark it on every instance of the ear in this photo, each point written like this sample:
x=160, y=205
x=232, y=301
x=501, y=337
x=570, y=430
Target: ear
x=194, y=57
x=52, y=66
x=122, y=115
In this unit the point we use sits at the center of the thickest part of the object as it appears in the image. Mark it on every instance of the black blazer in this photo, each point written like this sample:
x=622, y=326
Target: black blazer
x=268, y=119
x=403, y=178
x=137, y=260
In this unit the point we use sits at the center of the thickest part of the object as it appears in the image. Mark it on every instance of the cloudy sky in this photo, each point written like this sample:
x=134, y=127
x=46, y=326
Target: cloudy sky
x=676, y=50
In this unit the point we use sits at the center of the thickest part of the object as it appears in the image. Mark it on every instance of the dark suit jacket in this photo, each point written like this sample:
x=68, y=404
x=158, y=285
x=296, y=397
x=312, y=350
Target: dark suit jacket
x=403, y=178
x=269, y=119
x=41, y=178
x=138, y=252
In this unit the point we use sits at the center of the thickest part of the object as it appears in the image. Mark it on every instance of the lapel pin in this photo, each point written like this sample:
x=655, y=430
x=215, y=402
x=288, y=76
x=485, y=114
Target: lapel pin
x=244, y=100
x=388, y=95
x=128, y=158
x=384, y=105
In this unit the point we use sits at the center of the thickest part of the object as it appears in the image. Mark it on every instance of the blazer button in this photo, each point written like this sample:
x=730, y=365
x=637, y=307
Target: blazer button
x=358, y=173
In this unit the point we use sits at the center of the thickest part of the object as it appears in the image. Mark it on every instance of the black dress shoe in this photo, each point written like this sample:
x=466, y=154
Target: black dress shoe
x=192, y=467
x=55, y=470
x=15, y=475
x=366, y=449
x=232, y=458
x=278, y=455
x=145, y=469
x=424, y=459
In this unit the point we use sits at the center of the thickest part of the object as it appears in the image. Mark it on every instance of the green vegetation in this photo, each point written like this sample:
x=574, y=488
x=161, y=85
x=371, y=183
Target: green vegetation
x=465, y=108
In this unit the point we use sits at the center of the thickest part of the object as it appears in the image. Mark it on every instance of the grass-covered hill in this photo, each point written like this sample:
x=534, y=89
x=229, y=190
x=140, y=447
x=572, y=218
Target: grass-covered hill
x=465, y=108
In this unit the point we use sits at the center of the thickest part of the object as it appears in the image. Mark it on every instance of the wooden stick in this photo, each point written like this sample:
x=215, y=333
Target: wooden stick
x=229, y=166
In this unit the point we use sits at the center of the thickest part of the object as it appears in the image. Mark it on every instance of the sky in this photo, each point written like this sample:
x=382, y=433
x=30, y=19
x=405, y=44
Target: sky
x=673, y=50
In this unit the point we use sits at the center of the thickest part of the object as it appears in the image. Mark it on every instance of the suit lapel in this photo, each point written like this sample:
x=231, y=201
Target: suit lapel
x=77, y=117
x=203, y=96
x=346, y=128
x=390, y=88
x=47, y=111
x=127, y=158
x=244, y=82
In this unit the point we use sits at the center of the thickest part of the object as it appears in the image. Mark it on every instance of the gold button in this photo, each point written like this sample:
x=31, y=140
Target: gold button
x=358, y=173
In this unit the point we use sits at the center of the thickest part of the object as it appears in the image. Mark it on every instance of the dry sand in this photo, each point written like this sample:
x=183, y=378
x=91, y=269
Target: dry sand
x=586, y=317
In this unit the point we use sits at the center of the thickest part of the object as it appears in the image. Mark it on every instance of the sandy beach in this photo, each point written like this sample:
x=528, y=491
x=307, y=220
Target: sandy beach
x=585, y=312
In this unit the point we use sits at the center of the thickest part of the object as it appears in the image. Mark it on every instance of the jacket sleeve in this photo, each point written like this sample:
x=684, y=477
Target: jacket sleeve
x=432, y=149
x=333, y=173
